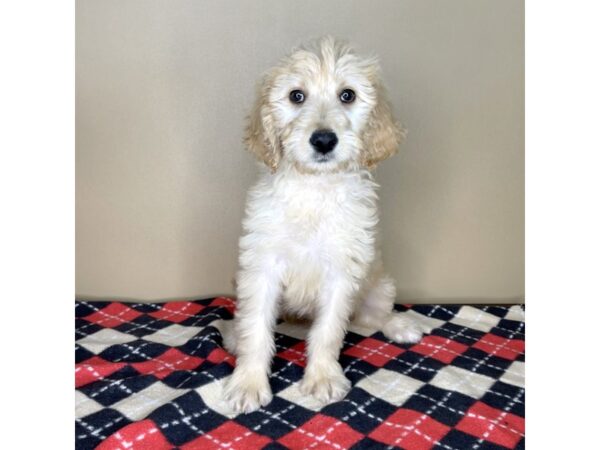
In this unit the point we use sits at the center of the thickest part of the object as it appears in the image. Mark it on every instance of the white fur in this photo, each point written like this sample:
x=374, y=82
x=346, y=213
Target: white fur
x=309, y=243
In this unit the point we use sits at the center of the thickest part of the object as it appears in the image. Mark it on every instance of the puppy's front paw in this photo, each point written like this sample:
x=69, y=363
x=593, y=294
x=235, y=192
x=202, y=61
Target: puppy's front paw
x=247, y=391
x=402, y=330
x=326, y=385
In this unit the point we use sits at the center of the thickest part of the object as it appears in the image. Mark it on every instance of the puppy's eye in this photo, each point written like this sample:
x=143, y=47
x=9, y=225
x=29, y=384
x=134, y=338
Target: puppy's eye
x=347, y=96
x=297, y=96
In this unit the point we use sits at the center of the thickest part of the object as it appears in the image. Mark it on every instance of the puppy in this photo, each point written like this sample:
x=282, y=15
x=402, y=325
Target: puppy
x=320, y=124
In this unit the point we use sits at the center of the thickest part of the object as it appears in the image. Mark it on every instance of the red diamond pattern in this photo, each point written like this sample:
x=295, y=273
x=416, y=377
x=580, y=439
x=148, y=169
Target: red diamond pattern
x=94, y=369
x=177, y=311
x=113, y=315
x=322, y=432
x=224, y=302
x=440, y=348
x=374, y=352
x=493, y=425
x=229, y=435
x=410, y=430
x=219, y=355
x=167, y=363
x=295, y=354
x=500, y=346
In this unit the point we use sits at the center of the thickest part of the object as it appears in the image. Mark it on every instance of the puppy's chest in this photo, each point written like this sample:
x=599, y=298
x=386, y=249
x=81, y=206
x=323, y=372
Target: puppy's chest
x=314, y=215
x=319, y=218
x=324, y=225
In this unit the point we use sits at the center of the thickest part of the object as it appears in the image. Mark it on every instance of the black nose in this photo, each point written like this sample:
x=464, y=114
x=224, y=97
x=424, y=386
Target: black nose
x=323, y=141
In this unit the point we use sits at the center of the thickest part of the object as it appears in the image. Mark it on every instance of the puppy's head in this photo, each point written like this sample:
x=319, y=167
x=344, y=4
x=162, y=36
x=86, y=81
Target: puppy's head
x=322, y=109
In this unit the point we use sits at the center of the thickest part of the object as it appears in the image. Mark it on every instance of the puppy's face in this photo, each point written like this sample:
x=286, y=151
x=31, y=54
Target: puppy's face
x=322, y=110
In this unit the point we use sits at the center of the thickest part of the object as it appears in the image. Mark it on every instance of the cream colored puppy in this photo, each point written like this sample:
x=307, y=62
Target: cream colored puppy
x=320, y=124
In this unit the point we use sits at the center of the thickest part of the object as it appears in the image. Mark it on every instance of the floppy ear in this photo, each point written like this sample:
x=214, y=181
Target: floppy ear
x=383, y=134
x=260, y=136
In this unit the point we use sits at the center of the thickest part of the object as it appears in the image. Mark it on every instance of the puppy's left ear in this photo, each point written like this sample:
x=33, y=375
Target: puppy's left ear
x=382, y=134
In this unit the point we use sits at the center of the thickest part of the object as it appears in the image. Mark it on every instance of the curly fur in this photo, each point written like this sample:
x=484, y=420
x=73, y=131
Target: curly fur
x=309, y=243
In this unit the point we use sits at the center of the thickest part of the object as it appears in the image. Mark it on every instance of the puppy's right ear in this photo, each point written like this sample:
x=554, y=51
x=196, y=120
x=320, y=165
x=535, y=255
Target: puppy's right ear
x=260, y=135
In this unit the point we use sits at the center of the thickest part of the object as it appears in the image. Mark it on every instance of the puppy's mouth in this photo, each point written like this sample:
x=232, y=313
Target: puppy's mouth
x=323, y=158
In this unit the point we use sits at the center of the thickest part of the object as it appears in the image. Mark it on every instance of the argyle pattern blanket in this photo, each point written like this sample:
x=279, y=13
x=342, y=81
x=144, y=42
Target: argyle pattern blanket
x=150, y=376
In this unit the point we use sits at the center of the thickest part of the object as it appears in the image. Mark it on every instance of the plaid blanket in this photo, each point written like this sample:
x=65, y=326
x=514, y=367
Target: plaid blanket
x=150, y=376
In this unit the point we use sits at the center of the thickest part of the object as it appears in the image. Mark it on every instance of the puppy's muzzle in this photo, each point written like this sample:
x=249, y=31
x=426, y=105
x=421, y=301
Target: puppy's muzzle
x=323, y=141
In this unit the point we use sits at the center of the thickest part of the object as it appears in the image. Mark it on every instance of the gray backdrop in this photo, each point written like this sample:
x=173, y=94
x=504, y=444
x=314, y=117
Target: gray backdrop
x=162, y=90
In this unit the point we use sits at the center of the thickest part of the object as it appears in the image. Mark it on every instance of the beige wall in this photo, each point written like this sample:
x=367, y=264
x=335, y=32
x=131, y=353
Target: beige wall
x=162, y=90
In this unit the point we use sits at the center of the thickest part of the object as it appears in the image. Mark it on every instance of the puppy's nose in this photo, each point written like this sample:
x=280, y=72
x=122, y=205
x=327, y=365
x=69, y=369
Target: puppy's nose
x=323, y=141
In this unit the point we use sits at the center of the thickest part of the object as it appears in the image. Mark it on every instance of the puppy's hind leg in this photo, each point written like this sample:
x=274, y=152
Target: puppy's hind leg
x=229, y=337
x=375, y=310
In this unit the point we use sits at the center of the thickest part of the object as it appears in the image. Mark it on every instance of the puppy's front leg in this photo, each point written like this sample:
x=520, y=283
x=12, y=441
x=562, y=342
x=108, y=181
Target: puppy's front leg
x=248, y=388
x=323, y=377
